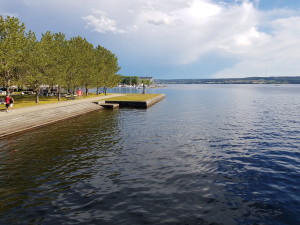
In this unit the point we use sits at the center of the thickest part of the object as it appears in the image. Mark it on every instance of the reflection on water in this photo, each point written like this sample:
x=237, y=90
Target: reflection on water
x=37, y=167
x=206, y=154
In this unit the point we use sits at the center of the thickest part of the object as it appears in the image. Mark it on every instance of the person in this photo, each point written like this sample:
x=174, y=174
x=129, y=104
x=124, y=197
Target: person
x=79, y=92
x=9, y=101
x=11, y=105
x=144, y=89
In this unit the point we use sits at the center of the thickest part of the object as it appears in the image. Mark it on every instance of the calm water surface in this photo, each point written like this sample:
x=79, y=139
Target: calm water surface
x=207, y=154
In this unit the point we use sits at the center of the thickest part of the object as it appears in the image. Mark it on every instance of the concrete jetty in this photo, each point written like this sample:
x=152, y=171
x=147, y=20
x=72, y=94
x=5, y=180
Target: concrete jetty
x=138, y=104
x=110, y=106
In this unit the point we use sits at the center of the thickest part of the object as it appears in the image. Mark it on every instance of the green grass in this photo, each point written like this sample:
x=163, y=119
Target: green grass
x=133, y=97
x=22, y=101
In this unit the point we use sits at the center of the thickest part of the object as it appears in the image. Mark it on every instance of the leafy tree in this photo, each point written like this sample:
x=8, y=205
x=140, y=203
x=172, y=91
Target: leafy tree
x=100, y=66
x=39, y=62
x=53, y=60
x=135, y=80
x=12, y=45
x=57, y=56
x=79, y=71
x=111, y=81
x=73, y=64
x=87, y=66
x=111, y=67
x=146, y=82
x=126, y=80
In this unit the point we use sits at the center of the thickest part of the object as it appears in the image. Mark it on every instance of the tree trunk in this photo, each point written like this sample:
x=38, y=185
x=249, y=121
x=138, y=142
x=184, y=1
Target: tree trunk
x=37, y=91
x=58, y=93
x=37, y=100
x=86, y=91
x=7, y=87
x=7, y=90
x=104, y=90
x=98, y=88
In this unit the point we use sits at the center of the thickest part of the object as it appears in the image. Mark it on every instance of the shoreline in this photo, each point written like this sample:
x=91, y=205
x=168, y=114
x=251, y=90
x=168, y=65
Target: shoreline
x=29, y=118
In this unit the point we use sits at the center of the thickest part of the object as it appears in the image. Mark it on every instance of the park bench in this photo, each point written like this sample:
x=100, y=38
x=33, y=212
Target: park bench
x=72, y=97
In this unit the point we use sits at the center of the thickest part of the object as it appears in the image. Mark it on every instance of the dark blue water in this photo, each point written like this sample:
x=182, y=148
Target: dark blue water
x=207, y=154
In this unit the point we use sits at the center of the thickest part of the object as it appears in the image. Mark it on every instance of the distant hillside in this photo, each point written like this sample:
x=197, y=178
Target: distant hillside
x=248, y=80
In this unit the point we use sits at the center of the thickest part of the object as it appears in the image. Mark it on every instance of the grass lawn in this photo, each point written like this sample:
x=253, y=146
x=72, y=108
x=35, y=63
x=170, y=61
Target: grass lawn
x=29, y=100
x=133, y=97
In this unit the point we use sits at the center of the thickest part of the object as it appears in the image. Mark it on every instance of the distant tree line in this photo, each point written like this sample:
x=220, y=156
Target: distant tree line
x=53, y=60
x=247, y=80
x=134, y=80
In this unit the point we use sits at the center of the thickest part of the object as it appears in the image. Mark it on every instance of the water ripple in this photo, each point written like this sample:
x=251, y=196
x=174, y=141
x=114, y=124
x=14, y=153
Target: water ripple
x=207, y=154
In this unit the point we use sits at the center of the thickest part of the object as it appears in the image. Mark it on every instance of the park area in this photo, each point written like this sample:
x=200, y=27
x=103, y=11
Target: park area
x=22, y=101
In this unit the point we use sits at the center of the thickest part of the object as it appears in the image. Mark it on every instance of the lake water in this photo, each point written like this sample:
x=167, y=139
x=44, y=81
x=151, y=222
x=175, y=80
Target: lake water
x=206, y=154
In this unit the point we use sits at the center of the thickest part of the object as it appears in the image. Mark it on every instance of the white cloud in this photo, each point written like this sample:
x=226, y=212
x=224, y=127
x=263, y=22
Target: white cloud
x=99, y=22
x=158, y=18
x=202, y=9
x=182, y=32
x=189, y=32
x=184, y=35
x=4, y=14
x=248, y=37
x=277, y=56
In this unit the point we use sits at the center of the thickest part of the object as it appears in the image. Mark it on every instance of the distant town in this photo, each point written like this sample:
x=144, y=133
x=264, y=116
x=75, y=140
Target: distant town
x=248, y=80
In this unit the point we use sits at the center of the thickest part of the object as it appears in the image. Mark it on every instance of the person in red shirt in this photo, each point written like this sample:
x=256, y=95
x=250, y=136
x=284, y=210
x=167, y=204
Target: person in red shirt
x=79, y=92
x=9, y=101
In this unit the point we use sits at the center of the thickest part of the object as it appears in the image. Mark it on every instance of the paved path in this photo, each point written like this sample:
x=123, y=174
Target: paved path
x=24, y=119
x=54, y=105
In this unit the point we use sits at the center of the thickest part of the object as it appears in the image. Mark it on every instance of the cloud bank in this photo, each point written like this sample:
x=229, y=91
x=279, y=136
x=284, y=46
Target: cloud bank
x=184, y=32
x=180, y=38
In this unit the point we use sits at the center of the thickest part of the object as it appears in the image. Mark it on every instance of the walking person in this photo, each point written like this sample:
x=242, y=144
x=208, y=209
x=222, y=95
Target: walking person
x=9, y=101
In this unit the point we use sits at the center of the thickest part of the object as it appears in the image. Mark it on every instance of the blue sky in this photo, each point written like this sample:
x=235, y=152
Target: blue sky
x=178, y=38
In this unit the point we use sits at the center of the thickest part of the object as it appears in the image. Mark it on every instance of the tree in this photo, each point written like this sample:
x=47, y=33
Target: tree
x=145, y=81
x=126, y=80
x=53, y=60
x=135, y=80
x=109, y=68
x=79, y=72
x=39, y=62
x=111, y=81
x=87, y=65
x=73, y=64
x=57, y=56
x=12, y=45
x=99, y=70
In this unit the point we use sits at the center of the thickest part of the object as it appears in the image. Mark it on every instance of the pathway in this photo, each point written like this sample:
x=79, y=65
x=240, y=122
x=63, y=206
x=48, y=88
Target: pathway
x=24, y=119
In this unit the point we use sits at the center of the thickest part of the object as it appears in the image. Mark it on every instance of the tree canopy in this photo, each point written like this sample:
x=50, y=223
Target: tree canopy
x=53, y=60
